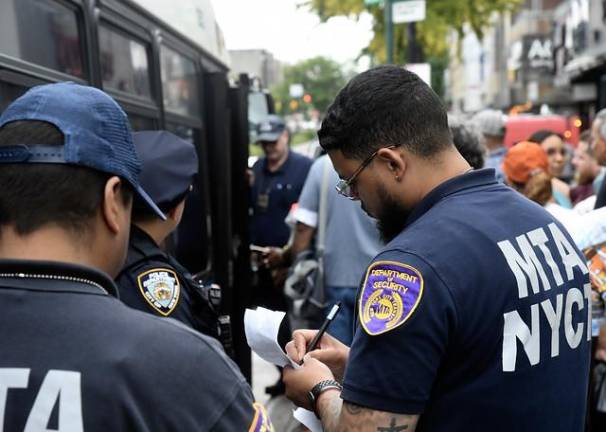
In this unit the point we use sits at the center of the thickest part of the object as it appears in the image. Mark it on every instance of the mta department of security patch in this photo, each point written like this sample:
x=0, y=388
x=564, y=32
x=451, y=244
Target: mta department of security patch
x=160, y=287
x=261, y=421
x=390, y=294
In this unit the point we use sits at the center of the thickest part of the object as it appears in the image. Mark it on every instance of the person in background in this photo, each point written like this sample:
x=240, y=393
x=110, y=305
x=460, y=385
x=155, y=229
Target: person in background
x=352, y=240
x=467, y=142
x=598, y=145
x=152, y=280
x=278, y=179
x=557, y=154
x=526, y=166
x=491, y=124
x=588, y=172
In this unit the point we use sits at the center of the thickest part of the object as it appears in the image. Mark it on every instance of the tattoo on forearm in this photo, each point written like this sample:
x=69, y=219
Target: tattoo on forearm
x=353, y=409
x=393, y=427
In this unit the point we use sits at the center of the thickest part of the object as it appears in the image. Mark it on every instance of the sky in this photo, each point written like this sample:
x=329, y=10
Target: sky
x=291, y=34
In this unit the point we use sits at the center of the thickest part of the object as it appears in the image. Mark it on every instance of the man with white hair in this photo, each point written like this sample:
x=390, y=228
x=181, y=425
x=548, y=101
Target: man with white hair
x=491, y=124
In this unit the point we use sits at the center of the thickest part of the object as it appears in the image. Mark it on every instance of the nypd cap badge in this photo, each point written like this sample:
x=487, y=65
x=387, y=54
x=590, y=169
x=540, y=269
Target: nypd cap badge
x=161, y=289
x=390, y=294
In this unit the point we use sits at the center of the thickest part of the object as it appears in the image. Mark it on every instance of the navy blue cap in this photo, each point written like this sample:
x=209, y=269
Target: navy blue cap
x=96, y=130
x=169, y=164
x=270, y=128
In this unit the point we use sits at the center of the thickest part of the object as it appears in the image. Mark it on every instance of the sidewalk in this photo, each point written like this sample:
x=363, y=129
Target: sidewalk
x=279, y=408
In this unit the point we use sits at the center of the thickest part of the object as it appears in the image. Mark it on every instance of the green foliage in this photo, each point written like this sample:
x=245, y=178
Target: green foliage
x=303, y=136
x=442, y=15
x=322, y=78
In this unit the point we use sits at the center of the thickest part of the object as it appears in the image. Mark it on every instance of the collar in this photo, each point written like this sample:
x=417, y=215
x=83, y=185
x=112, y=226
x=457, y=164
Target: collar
x=472, y=179
x=141, y=239
x=55, y=276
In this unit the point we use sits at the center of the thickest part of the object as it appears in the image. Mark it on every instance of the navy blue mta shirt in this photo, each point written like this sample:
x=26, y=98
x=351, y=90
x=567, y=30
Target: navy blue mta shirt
x=476, y=316
x=273, y=194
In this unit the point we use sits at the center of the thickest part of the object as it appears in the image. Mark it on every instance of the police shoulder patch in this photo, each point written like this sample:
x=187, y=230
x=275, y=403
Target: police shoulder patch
x=261, y=421
x=161, y=289
x=390, y=294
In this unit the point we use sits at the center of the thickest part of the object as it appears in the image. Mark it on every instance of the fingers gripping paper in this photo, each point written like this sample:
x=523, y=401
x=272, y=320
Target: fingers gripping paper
x=262, y=327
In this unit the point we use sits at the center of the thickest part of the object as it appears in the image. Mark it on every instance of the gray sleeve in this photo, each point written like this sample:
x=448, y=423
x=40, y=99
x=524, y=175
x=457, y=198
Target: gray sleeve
x=310, y=195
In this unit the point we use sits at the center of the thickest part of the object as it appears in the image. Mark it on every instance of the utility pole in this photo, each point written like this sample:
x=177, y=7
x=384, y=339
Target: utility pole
x=414, y=52
x=388, y=30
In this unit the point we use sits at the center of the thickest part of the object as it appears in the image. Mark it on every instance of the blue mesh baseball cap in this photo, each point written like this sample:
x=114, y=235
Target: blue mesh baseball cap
x=96, y=130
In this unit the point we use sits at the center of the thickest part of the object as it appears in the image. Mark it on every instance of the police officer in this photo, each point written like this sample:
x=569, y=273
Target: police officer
x=152, y=280
x=73, y=356
x=475, y=316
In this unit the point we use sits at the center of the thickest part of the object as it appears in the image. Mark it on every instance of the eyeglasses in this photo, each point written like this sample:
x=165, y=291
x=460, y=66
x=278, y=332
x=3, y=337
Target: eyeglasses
x=344, y=186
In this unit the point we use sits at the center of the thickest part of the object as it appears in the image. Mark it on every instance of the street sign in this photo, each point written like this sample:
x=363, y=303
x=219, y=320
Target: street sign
x=405, y=11
x=372, y=2
x=296, y=90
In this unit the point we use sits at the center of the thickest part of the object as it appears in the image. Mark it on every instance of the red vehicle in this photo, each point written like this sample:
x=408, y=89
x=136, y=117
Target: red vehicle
x=520, y=127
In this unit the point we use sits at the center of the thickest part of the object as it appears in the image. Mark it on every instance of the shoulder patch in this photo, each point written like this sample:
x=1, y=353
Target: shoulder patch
x=261, y=422
x=390, y=294
x=161, y=289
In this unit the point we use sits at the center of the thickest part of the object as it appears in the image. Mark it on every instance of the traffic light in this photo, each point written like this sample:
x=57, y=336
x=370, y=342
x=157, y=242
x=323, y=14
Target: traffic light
x=307, y=98
x=293, y=105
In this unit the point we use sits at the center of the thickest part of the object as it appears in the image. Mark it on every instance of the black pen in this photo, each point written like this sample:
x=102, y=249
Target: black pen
x=331, y=316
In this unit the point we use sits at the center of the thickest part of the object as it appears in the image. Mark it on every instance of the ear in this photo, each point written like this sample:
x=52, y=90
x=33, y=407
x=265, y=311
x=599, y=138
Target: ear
x=116, y=214
x=176, y=213
x=395, y=160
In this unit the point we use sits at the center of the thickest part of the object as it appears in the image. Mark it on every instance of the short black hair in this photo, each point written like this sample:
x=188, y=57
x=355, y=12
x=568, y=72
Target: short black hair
x=468, y=144
x=384, y=106
x=541, y=135
x=34, y=195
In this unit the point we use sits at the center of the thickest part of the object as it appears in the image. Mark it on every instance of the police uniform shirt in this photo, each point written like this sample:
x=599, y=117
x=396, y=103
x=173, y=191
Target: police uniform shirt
x=154, y=282
x=476, y=316
x=273, y=194
x=74, y=358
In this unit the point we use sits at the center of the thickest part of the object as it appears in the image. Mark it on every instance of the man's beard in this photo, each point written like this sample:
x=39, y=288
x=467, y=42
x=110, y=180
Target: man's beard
x=392, y=217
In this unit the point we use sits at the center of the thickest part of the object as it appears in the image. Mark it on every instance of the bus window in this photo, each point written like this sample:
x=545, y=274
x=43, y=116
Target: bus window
x=8, y=93
x=124, y=63
x=42, y=32
x=139, y=123
x=179, y=83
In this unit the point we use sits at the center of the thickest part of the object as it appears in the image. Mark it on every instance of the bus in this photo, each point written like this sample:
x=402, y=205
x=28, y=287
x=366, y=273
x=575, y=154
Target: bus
x=163, y=80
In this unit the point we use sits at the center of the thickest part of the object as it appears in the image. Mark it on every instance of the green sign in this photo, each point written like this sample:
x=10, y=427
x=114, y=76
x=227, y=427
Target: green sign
x=372, y=2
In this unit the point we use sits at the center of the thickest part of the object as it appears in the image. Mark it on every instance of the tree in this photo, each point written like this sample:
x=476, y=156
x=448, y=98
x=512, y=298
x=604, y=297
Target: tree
x=442, y=15
x=322, y=79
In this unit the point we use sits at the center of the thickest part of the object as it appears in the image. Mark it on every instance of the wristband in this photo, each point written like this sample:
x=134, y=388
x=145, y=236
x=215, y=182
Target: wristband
x=320, y=388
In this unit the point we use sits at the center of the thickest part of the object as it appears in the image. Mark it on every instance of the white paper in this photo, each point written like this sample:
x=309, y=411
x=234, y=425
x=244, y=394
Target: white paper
x=308, y=419
x=261, y=327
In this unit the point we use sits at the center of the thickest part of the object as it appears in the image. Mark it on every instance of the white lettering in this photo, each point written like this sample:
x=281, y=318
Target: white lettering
x=62, y=386
x=515, y=328
x=570, y=258
x=573, y=337
x=554, y=318
x=525, y=266
x=587, y=292
x=15, y=378
x=538, y=238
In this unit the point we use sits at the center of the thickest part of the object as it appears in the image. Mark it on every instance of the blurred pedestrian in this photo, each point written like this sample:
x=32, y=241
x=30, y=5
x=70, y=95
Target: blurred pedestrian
x=587, y=170
x=598, y=145
x=491, y=124
x=467, y=142
x=278, y=180
x=557, y=154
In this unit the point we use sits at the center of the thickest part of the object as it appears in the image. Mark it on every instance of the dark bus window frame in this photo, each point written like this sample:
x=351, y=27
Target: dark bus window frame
x=47, y=74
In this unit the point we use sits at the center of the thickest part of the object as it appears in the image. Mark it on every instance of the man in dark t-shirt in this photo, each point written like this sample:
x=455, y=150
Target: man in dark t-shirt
x=476, y=314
